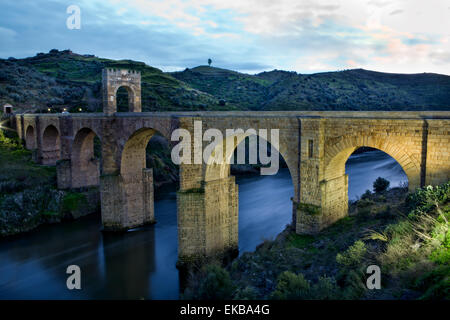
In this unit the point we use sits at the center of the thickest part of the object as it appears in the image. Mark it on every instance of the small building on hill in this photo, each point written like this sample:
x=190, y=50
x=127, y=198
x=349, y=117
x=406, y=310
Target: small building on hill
x=7, y=109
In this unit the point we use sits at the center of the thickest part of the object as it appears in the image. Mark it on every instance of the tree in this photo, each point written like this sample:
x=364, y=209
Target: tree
x=209, y=62
x=291, y=286
x=380, y=185
x=211, y=283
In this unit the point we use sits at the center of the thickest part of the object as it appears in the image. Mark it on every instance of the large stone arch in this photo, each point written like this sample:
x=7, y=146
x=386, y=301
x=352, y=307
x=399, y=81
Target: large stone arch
x=85, y=170
x=51, y=145
x=30, y=138
x=208, y=201
x=333, y=182
x=127, y=198
x=221, y=193
x=336, y=156
x=133, y=155
x=216, y=171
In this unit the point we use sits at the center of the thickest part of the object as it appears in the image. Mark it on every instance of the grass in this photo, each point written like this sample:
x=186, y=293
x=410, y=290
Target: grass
x=18, y=171
x=299, y=241
x=28, y=193
x=72, y=201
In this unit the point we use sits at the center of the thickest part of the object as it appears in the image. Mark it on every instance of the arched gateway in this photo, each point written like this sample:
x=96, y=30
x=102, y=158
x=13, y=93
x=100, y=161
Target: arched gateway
x=112, y=80
x=314, y=144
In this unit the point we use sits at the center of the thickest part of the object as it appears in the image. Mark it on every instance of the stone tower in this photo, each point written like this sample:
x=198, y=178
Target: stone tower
x=112, y=80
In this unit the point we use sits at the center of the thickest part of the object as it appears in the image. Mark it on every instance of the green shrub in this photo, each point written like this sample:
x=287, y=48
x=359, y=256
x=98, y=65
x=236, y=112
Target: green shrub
x=10, y=140
x=326, y=288
x=212, y=282
x=426, y=199
x=435, y=284
x=353, y=283
x=353, y=256
x=442, y=253
x=72, y=201
x=309, y=209
x=399, y=229
x=300, y=240
x=364, y=203
x=380, y=185
x=248, y=293
x=291, y=286
x=366, y=195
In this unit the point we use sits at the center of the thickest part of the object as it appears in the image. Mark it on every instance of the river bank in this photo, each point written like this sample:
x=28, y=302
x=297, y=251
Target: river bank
x=407, y=236
x=28, y=194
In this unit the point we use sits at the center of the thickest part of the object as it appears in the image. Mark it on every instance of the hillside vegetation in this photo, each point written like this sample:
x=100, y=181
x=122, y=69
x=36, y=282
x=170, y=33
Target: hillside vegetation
x=346, y=90
x=406, y=235
x=28, y=193
x=63, y=79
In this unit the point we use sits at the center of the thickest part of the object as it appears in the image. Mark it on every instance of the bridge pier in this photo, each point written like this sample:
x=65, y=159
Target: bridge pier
x=64, y=174
x=332, y=205
x=208, y=220
x=127, y=202
x=72, y=174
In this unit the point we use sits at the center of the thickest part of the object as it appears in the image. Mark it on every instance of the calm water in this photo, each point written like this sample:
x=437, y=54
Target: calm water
x=364, y=168
x=141, y=263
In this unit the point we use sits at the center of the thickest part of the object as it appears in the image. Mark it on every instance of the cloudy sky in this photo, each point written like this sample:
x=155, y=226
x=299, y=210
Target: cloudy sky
x=407, y=36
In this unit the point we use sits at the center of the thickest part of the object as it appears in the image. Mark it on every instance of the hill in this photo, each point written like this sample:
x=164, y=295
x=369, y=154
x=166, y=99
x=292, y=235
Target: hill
x=356, y=89
x=63, y=79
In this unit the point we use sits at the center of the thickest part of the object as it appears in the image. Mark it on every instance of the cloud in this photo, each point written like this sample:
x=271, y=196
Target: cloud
x=7, y=33
x=379, y=3
x=250, y=36
x=398, y=11
x=442, y=57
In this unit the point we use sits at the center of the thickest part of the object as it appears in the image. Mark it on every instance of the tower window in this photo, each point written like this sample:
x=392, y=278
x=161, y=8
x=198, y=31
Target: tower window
x=310, y=148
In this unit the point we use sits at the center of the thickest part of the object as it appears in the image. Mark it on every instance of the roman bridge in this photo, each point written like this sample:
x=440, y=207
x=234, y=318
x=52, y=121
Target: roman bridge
x=315, y=146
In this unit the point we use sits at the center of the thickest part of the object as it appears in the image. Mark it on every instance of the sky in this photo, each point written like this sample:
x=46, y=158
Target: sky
x=251, y=36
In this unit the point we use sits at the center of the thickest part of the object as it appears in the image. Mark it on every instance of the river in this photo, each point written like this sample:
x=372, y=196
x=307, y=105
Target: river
x=141, y=263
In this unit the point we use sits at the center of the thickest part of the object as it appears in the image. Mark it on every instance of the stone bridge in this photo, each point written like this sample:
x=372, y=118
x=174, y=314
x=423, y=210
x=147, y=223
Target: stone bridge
x=315, y=146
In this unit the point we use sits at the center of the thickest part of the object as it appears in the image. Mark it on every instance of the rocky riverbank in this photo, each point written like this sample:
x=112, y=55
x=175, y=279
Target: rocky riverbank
x=407, y=236
x=28, y=194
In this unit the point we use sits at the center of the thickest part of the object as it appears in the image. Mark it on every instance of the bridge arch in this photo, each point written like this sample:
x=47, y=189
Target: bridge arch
x=133, y=158
x=85, y=164
x=215, y=171
x=30, y=138
x=137, y=179
x=51, y=145
x=333, y=181
x=209, y=220
x=337, y=154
